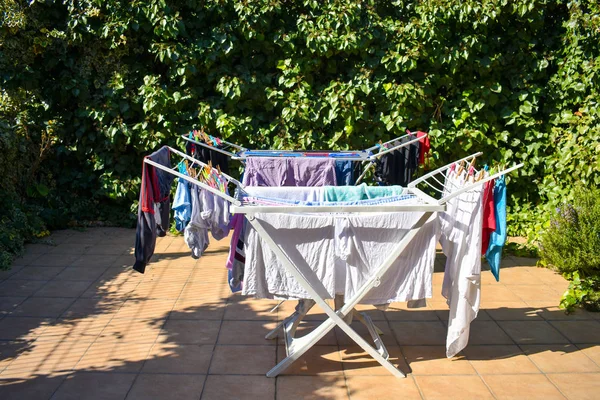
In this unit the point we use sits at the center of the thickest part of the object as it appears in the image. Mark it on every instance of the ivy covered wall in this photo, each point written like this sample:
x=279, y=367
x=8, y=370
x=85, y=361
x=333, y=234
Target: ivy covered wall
x=89, y=86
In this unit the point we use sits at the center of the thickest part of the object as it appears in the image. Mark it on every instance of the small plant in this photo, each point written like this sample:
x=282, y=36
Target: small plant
x=571, y=245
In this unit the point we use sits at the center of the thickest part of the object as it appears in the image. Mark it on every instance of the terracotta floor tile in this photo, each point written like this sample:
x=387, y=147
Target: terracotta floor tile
x=372, y=312
x=191, y=332
x=432, y=360
x=487, y=332
x=59, y=288
x=494, y=293
x=170, y=358
x=22, y=328
x=318, y=360
x=578, y=386
x=381, y=388
x=246, y=332
x=9, y=351
x=94, y=261
x=536, y=292
x=579, y=331
x=419, y=333
x=357, y=362
x=158, y=290
x=453, y=387
x=69, y=248
x=167, y=274
x=512, y=311
x=54, y=260
x=387, y=337
x=133, y=330
x=45, y=357
x=80, y=273
x=7, y=273
x=37, y=273
x=37, y=248
x=19, y=287
x=505, y=359
x=51, y=307
x=221, y=387
x=84, y=328
x=550, y=311
x=592, y=351
x=330, y=338
x=85, y=307
x=287, y=308
x=311, y=388
x=198, y=309
x=111, y=355
x=94, y=386
x=516, y=276
x=7, y=304
x=20, y=389
x=226, y=360
x=146, y=308
x=560, y=358
x=399, y=312
x=167, y=386
x=524, y=387
x=252, y=310
x=210, y=291
x=532, y=332
x=108, y=249
x=200, y=275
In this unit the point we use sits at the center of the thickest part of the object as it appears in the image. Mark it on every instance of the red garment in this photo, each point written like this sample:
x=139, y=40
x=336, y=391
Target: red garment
x=489, y=216
x=425, y=146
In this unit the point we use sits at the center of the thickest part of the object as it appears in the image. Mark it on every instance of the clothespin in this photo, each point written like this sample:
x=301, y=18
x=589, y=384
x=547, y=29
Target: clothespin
x=460, y=168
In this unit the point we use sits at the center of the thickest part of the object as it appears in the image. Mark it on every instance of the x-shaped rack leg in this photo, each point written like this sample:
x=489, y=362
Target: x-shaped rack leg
x=335, y=318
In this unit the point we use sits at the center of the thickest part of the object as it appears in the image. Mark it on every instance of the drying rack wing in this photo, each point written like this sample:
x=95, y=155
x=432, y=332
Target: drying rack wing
x=435, y=180
x=195, y=181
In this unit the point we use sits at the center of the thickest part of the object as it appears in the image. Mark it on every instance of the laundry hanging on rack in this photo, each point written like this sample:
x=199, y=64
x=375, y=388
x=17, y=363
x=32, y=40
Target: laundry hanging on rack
x=283, y=171
x=489, y=216
x=207, y=155
x=182, y=203
x=497, y=238
x=460, y=237
x=399, y=167
x=153, y=208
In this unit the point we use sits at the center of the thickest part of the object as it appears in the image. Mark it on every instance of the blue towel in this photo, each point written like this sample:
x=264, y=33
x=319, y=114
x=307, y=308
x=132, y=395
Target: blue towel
x=182, y=204
x=498, y=237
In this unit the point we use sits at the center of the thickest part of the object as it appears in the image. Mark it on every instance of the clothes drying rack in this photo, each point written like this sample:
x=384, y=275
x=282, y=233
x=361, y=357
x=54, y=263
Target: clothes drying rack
x=426, y=204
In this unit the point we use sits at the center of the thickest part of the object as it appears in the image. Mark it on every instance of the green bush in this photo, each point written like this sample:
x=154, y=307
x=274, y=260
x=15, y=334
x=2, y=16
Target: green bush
x=571, y=245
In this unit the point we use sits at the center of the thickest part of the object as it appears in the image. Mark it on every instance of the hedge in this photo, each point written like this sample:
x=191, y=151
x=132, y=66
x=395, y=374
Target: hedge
x=90, y=86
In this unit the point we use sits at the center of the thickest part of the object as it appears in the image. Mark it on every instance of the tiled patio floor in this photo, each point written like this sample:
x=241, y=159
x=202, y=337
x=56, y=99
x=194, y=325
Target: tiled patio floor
x=77, y=323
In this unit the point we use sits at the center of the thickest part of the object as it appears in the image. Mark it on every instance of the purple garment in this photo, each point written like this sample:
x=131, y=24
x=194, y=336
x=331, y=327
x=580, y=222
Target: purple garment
x=297, y=171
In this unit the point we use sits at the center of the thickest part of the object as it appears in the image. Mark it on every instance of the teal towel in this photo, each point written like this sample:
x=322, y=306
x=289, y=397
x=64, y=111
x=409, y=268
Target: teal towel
x=360, y=192
x=498, y=237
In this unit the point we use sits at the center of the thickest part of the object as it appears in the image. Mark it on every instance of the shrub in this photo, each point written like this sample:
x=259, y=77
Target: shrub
x=571, y=245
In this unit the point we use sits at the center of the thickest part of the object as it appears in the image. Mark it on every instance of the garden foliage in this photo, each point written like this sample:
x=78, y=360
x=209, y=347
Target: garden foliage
x=571, y=245
x=89, y=86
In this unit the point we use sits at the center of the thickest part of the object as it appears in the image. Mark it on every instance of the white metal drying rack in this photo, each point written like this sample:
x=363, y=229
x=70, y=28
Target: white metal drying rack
x=295, y=347
x=349, y=155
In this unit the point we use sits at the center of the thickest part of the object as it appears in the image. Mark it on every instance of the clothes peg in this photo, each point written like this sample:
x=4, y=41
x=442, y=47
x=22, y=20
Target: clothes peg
x=460, y=167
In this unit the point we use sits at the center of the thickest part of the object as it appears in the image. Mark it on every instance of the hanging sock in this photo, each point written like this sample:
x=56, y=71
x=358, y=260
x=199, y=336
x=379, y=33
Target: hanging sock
x=498, y=237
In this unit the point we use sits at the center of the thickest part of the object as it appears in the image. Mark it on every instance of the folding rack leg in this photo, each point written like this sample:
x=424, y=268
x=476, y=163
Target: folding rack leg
x=335, y=318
